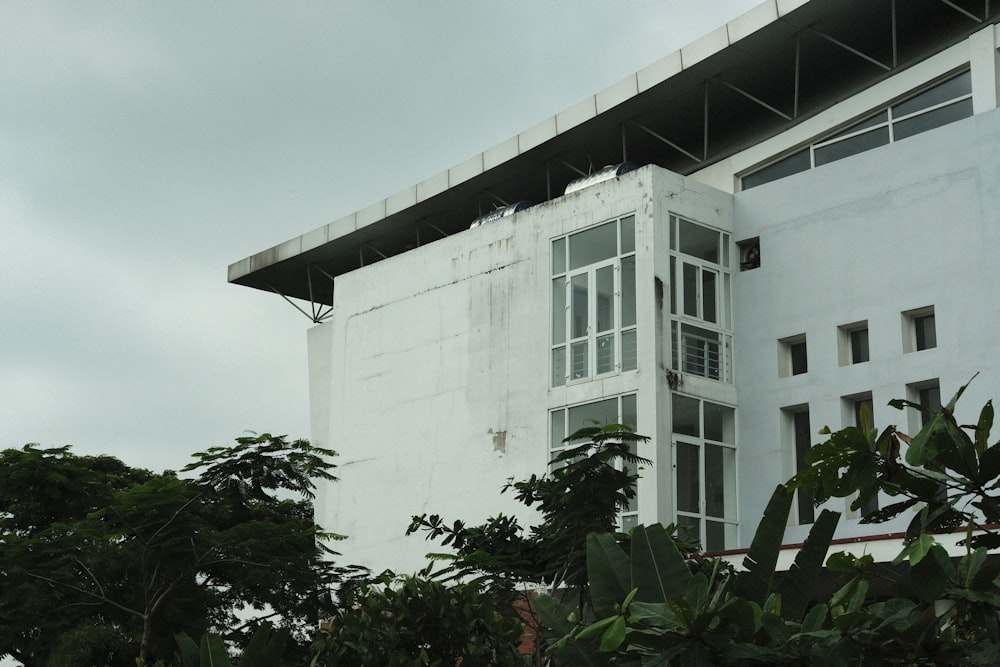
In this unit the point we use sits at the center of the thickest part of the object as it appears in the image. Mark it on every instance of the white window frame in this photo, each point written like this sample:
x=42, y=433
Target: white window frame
x=624, y=358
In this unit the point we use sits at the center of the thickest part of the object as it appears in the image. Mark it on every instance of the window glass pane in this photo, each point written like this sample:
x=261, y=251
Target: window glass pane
x=557, y=428
x=931, y=119
x=871, y=121
x=630, y=417
x=675, y=347
x=673, y=286
x=593, y=245
x=859, y=346
x=686, y=420
x=699, y=352
x=689, y=527
x=930, y=398
x=725, y=250
x=630, y=352
x=926, y=333
x=718, y=476
x=948, y=90
x=578, y=352
x=800, y=362
x=847, y=147
x=603, y=412
x=803, y=441
x=673, y=232
x=578, y=286
x=691, y=290
x=559, y=256
x=688, y=478
x=559, y=366
x=605, y=298
x=698, y=241
x=792, y=164
x=628, y=234
x=708, y=297
x=628, y=291
x=727, y=310
x=715, y=536
x=559, y=310
x=629, y=521
x=605, y=353
x=720, y=423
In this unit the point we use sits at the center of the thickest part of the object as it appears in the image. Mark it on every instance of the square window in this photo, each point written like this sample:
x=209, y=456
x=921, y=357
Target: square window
x=853, y=343
x=919, y=330
x=792, y=356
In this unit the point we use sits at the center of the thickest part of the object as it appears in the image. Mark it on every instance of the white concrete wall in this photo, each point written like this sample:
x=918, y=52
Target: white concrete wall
x=904, y=226
x=431, y=377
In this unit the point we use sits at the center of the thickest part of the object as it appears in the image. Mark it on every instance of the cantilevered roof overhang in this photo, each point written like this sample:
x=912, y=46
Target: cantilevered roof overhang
x=750, y=79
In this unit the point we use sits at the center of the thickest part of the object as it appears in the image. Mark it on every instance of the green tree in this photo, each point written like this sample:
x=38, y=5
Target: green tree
x=94, y=549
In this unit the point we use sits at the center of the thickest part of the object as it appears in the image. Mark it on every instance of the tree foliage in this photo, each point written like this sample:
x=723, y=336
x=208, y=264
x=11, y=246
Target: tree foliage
x=96, y=553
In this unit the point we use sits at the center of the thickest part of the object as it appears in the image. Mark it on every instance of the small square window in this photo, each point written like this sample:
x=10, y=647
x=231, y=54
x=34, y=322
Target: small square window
x=749, y=253
x=919, y=329
x=792, y=356
x=853, y=340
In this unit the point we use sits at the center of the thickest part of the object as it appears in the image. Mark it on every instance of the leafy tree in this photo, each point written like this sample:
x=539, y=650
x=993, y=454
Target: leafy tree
x=93, y=549
x=404, y=621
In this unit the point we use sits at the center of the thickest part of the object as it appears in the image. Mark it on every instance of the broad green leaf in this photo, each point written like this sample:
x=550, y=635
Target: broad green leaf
x=658, y=568
x=613, y=636
x=608, y=570
x=983, y=428
x=554, y=615
x=754, y=583
x=915, y=550
x=213, y=652
x=797, y=589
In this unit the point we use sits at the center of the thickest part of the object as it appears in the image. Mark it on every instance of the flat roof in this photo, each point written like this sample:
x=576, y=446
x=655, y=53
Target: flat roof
x=764, y=71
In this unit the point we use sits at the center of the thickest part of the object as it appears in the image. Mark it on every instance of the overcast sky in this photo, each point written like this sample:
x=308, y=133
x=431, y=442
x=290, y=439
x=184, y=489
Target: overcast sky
x=145, y=146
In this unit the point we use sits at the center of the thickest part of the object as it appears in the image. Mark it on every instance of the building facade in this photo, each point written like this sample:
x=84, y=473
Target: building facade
x=807, y=233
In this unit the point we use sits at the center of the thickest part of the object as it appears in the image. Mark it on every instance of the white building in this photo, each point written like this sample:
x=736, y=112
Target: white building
x=813, y=226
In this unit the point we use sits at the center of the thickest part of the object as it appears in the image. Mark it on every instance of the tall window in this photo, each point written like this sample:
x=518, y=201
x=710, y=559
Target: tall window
x=593, y=302
x=801, y=440
x=705, y=470
x=700, y=296
x=618, y=410
x=792, y=356
x=938, y=105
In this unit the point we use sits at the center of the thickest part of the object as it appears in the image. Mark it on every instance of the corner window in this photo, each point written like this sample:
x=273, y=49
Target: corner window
x=705, y=470
x=593, y=329
x=700, y=300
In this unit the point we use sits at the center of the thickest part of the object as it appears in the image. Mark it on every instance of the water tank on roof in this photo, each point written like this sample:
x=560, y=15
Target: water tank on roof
x=501, y=212
x=599, y=176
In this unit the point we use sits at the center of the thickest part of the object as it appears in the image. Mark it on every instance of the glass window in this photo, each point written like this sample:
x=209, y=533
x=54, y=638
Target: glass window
x=593, y=245
x=859, y=143
x=802, y=435
x=859, y=346
x=951, y=89
x=793, y=164
x=925, y=332
x=705, y=479
x=686, y=419
x=698, y=241
x=931, y=119
x=800, y=362
x=594, y=303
